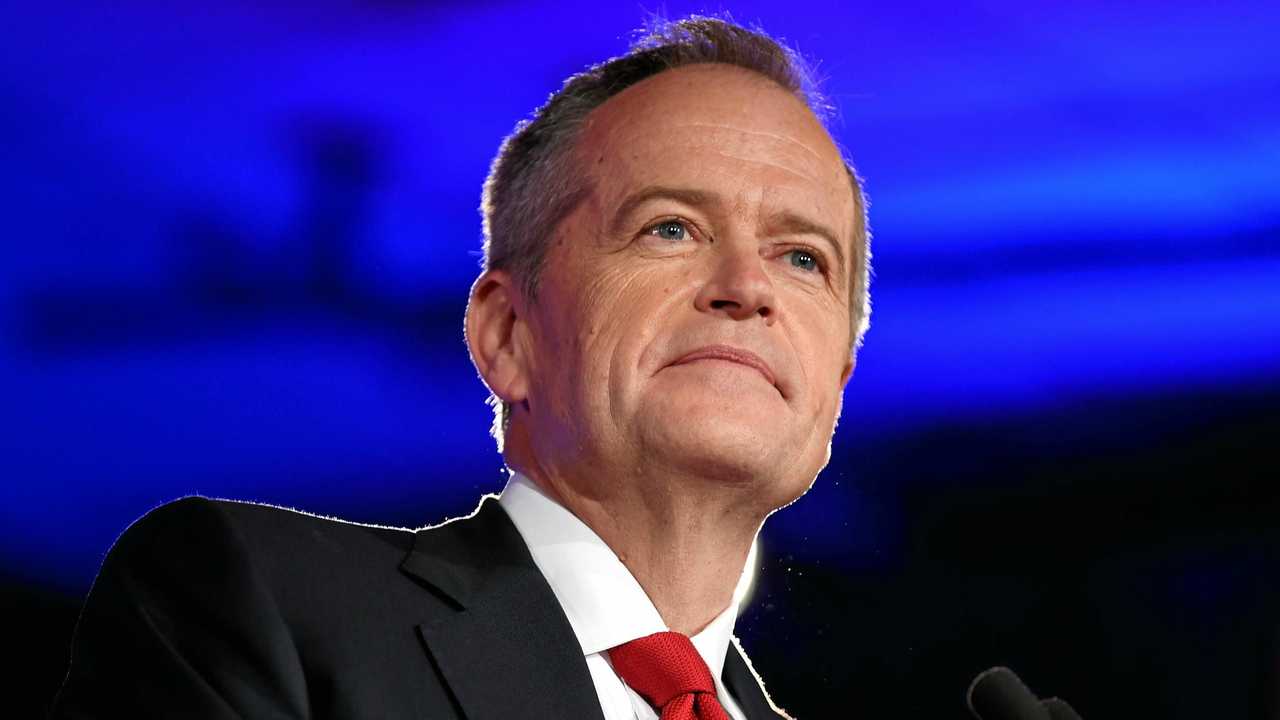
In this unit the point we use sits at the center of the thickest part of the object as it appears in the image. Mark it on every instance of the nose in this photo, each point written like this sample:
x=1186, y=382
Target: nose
x=738, y=286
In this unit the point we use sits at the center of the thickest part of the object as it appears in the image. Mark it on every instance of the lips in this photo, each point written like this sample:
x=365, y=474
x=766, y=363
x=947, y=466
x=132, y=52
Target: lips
x=730, y=354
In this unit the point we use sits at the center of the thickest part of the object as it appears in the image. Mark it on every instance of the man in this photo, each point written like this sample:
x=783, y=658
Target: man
x=675, y=282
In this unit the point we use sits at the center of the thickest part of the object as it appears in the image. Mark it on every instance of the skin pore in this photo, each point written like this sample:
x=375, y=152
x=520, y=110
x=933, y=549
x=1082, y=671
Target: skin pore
x=679, y=374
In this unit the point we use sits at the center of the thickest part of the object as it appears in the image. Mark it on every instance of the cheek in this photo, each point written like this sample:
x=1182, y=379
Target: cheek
x=586, y=320
x=826, y=345
x=624, y=311
x=627, y=298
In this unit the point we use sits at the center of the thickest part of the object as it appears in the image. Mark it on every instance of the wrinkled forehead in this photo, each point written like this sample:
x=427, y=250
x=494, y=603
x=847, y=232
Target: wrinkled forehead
x=716, y=125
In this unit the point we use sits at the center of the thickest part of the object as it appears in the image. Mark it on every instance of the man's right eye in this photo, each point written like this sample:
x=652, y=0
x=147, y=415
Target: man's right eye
x=669, y=230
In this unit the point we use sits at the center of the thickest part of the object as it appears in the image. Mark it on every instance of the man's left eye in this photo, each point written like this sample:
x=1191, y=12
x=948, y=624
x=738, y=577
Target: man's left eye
x=804, y=260
x=670, y=230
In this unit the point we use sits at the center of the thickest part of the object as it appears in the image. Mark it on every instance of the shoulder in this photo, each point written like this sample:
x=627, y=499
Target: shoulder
x=201, y=529
x=257, y=519
x=198, y=555
x=249, y=513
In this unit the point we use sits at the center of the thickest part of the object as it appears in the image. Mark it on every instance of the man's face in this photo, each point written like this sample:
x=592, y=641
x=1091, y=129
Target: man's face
x=693, y=311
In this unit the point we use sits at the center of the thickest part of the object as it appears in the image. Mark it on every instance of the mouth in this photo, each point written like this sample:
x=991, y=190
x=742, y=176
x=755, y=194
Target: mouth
x=730, y=354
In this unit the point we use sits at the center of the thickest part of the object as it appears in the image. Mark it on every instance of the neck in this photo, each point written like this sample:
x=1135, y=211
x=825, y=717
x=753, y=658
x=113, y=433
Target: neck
x=680, y=539
x=688, y=562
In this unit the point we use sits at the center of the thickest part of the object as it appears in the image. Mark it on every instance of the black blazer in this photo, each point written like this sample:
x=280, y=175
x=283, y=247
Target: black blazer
x=216, y=609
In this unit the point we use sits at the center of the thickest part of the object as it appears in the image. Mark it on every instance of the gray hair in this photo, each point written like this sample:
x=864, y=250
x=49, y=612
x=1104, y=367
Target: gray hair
x=533, y=182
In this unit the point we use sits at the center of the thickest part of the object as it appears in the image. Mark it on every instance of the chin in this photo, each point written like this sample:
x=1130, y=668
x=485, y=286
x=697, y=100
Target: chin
x=736, y=450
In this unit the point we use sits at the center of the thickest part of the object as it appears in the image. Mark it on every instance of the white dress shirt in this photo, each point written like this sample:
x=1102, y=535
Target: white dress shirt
x=604, y=603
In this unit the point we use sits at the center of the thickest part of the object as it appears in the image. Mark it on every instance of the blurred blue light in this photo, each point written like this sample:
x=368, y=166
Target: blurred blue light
x=244, y=235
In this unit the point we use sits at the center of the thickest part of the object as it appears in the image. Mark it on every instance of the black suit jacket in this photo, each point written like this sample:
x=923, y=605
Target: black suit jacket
x=217, y=609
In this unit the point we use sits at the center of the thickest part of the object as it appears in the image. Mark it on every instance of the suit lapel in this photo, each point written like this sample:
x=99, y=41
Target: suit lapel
x=746, y=686
x=509, y=651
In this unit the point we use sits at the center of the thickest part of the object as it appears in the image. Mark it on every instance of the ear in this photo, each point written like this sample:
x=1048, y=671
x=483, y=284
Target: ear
x=494, y=321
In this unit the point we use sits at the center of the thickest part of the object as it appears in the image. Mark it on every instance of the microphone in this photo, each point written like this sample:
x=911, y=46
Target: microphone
x=1060, y=710
x=998, y=694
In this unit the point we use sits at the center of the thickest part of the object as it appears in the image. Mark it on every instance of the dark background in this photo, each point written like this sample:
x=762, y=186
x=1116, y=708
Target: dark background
x=240, y=240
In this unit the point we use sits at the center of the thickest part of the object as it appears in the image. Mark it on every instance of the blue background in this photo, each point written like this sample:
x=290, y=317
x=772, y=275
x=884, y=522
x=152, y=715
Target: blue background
x=240, y=238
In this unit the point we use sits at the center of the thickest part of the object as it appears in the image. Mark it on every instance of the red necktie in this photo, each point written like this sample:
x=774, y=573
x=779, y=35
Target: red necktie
x=669, y=673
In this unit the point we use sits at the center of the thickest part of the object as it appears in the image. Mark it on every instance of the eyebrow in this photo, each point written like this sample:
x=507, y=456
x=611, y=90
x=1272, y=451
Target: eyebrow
x=693, y=198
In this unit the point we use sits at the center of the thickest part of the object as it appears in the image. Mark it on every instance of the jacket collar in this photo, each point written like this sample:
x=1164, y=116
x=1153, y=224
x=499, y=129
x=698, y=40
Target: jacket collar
x=509, y=650
x=747, y=687
x=510, y=632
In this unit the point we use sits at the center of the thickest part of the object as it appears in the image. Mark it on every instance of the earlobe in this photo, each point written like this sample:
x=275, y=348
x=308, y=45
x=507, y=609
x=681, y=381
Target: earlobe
x=493, y=317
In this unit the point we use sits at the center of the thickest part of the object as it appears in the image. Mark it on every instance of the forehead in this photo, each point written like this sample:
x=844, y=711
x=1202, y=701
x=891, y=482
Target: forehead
x=721, y=129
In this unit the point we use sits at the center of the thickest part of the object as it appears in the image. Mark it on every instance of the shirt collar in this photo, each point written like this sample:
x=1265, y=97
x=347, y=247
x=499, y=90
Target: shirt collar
x=604, y=603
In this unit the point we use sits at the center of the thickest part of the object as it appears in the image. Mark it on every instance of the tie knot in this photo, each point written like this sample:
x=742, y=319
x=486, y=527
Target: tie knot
x=661, y=667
